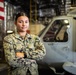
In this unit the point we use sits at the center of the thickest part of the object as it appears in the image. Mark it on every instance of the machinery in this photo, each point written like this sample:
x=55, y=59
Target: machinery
x=59, y=39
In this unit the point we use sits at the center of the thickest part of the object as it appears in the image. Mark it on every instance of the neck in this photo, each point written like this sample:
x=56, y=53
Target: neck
x=22, y=34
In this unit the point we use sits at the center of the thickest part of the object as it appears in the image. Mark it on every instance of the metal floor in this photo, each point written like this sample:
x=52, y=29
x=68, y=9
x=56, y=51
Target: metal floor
x=51, y=72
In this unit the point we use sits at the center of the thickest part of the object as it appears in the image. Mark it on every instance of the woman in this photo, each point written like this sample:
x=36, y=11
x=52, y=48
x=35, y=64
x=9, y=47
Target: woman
x=23, y=49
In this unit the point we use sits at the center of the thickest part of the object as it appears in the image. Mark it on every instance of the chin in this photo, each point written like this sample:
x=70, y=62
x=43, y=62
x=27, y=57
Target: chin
x=22, y=30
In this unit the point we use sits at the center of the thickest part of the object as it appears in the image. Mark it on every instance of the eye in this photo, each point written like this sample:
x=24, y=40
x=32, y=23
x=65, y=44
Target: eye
x=20, y=21
x=26, y=21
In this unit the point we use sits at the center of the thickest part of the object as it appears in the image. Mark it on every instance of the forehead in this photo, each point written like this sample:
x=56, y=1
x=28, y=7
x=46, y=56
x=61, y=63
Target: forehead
x=22, y=18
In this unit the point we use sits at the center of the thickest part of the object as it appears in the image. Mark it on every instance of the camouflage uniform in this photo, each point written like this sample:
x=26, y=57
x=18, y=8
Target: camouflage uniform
x=31, y=45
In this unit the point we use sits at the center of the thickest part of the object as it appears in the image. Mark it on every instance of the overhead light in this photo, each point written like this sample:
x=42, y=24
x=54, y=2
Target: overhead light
x=9, y=31
x=66, y=21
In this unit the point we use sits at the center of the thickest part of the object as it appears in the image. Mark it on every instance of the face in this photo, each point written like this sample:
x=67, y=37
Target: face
x=22, y=24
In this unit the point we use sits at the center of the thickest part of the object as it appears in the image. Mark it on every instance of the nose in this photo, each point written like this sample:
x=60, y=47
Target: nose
x=24, y=24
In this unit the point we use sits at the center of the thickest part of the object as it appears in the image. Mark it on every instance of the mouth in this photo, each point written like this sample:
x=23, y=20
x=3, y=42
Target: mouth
x=24, y=27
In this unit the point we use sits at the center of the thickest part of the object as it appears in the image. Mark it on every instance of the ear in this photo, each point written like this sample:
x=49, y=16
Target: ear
x=15, y=23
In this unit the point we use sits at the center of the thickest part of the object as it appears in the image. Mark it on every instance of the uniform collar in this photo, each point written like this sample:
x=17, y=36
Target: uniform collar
x=19, y=37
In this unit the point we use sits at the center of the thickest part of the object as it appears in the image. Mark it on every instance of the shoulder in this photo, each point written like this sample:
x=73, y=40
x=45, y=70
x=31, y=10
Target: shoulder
x=9, y=37
x=34, y=36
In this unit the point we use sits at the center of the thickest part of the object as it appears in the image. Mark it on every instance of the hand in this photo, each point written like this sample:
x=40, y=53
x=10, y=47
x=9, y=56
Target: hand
x=20, y=54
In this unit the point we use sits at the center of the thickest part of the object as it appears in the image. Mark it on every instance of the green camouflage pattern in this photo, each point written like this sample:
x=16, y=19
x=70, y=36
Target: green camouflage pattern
x=31, y=45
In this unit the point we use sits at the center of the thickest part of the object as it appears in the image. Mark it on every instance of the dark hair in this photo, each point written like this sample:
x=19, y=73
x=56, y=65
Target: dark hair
x=20, y=14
